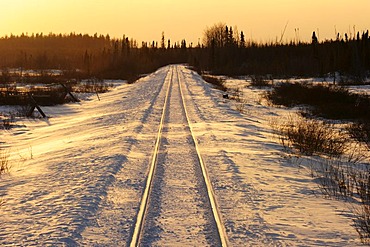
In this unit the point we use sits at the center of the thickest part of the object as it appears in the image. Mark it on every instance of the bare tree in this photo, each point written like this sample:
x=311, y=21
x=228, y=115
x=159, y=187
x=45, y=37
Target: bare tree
x=215, y=35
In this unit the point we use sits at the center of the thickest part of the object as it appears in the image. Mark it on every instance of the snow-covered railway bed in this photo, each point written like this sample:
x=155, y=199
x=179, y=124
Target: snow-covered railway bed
x=77, y=178
x=64, y=167
x=178, y=207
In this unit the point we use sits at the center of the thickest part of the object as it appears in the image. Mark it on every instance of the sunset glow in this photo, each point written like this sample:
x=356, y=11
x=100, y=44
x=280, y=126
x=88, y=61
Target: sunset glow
x=144, y=20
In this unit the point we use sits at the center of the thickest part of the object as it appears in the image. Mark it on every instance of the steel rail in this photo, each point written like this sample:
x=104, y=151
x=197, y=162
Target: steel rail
x=145, y=198
x=211, y=194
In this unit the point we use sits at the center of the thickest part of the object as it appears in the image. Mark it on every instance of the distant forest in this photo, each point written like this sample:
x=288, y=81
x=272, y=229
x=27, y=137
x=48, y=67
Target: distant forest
x=223, y=52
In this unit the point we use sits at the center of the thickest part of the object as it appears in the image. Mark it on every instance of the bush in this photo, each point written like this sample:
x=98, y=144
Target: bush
x=260, y=81
x=48, y=95
x=43, y=95
x=362, y=213
x=362, y=223
x=23, y=111
x=91, y=86
x=361, y=132
x=312, y=137
x=133, y=78
x=4, y=161
x=329, y=102
x=336, y=178
x=7, y=120
x=349, y=182
x=217, y=82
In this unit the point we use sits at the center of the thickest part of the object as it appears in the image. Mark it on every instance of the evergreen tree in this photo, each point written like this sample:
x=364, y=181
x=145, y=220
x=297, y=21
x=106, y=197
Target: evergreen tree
x=162, y=41
x=231, y=36
x=314, y=38
x=183, y=44
x=242, y=39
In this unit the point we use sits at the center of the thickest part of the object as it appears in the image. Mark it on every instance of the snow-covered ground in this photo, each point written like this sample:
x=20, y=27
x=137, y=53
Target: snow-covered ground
x=76, y=178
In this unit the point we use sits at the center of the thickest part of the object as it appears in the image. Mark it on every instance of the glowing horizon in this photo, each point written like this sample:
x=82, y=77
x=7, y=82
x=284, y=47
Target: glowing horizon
x=145, y=20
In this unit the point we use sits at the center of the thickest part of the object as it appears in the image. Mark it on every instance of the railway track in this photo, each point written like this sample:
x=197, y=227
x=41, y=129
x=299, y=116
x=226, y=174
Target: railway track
x=178, y=205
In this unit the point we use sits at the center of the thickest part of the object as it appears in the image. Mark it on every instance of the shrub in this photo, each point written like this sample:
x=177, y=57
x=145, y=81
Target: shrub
x=361, y=132
x=133, y=78
x=23, y=111
x=260, y=81
x=312, y=136
x=236, y=94
x=329, y=102
x=348, y=181
x=92, y=86
x=362, y=223
x=43, y=95
x=217, y=82
x=7, y=120
x=4, y=161
x=362, y=213
x=7, y=123
x=336, y=178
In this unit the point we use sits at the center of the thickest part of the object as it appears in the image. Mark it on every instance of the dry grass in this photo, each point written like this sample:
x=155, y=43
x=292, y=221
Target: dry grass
x=4, y=161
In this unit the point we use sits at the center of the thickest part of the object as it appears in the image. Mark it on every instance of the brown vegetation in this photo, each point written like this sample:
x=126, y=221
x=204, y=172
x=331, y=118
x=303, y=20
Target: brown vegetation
x=4, y=161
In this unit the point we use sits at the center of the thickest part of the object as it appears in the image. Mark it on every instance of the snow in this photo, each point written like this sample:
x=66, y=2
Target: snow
x=360, y=89
x=178, y=189
x=77, y=177
x=266, y=199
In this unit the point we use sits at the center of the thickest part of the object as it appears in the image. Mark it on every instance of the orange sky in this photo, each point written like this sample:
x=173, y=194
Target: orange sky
x=144, y=20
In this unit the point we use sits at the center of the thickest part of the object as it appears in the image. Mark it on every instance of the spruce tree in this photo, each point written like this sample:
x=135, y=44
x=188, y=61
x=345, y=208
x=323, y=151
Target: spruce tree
x=242, y=39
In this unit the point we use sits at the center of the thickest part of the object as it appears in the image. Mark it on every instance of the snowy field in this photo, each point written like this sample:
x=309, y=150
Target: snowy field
x=76, y=178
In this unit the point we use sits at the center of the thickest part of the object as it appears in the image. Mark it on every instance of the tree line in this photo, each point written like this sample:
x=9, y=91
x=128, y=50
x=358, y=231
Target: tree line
x=227, y=52
x=85, y=55
x=224, y=50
